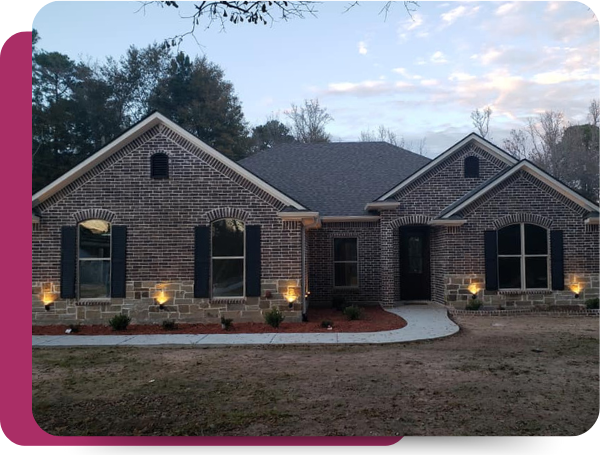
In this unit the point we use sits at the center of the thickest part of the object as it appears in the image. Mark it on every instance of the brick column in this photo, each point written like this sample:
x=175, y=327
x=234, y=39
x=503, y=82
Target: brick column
x=388, y=257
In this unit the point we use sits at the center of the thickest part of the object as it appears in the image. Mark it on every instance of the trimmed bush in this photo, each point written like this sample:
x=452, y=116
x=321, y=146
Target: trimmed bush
x=473, y=305
x=326, y=324
x=74, y=328
x=226, y=323
x=274, y=317
x=338, y=303
x=592, y=304
x=169, y=324
x=119, y=322
x=353, y=313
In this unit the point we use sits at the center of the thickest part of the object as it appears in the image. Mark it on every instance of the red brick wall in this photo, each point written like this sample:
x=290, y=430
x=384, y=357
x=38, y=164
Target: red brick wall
x=161, y=214
x=320, y=262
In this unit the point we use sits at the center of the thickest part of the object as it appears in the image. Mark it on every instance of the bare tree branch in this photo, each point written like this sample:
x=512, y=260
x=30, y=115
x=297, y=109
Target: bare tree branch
x=481, y=120
x=265, y=13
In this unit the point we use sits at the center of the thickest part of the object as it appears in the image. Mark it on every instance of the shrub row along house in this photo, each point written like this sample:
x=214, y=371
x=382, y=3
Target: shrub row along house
x=159, y=225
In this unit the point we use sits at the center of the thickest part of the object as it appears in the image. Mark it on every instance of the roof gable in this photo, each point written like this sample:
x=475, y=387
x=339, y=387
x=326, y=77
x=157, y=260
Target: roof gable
x=523, y=165
x=484, y=144
x=135, y=132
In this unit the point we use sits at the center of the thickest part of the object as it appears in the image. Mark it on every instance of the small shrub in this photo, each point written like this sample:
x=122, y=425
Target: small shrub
x=473, y=305
x=274, y=317
x=338, y=303
x=353, y=313
x=75, y=328
x=326, y=324
x=592, y=304
x=226, y=323
x=119, y=322
x=169, y=324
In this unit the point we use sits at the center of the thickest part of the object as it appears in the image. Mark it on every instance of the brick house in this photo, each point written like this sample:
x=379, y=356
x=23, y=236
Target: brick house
x=159, y=225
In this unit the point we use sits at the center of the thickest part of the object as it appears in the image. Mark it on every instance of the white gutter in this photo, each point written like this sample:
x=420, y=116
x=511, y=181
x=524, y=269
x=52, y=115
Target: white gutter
x=593, y=220
x=447, y=222
x=349, y=219
x=384, y=205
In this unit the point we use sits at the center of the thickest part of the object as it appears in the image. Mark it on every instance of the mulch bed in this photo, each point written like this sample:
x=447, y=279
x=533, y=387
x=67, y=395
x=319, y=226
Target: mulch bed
x=374, y=319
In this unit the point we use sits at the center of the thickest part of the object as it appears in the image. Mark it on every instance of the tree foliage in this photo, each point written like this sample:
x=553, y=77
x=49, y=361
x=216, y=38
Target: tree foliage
x=270, y=134
x=78, y=107
x=308, y=122
x=565, y=150
x=195, y=95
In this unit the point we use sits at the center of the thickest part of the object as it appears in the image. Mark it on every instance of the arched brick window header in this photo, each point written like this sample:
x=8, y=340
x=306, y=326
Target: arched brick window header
x=530, y=218
x=98, y=214
x=227, y=212
x=408, y=220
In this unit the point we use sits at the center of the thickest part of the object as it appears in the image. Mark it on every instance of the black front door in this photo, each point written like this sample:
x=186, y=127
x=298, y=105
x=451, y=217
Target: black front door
x=415, y=280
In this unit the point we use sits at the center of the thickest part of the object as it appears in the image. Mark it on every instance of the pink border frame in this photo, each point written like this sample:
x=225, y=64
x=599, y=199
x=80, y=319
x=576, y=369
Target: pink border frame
x=16, y=417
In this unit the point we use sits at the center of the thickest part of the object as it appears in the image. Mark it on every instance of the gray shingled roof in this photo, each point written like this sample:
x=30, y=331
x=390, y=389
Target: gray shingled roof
x=336, y=178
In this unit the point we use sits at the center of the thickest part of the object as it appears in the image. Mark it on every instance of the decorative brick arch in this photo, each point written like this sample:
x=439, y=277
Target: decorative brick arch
x=411, y=219
x=227, y=212
x=530, y=218
x=94, y=214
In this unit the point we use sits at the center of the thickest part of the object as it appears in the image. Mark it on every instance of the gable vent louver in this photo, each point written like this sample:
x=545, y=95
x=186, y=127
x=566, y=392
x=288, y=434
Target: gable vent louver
x=159, y=166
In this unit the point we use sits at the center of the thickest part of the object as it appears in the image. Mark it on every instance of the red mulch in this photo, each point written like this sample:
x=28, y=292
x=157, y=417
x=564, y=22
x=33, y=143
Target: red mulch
x=374, y=319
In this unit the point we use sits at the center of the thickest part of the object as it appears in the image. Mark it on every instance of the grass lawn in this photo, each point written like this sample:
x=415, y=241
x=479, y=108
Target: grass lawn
x=527, y=375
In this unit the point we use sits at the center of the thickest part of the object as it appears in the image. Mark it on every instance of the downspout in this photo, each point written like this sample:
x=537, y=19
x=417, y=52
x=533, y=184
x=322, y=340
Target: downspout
x=303, y=272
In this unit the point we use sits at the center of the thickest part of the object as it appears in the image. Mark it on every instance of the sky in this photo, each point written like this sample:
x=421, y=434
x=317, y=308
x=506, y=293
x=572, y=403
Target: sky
x=419, y=76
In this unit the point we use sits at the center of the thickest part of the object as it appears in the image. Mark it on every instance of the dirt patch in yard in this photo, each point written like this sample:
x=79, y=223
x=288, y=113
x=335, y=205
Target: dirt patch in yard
x=526, y=375
x=374, y=319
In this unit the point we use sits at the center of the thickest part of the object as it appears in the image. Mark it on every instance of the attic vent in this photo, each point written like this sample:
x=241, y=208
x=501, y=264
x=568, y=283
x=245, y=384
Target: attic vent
x=471, y=167
x=159, y=166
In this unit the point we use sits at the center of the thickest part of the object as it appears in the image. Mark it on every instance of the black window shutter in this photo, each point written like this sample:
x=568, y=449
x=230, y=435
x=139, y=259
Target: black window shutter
x=68, y=261
x=491, y=260
x=253, y=261
x=117, y=262
x=202, y=262
x=557, y=260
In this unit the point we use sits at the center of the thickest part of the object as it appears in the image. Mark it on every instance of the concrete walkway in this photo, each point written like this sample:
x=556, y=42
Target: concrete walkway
x=424, y=322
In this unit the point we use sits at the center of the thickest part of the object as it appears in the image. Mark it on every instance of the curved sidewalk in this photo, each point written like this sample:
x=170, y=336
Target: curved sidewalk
x=424, y=322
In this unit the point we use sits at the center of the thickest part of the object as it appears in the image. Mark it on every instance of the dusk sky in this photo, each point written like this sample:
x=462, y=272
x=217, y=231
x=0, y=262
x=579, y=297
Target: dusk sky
x=420, y=77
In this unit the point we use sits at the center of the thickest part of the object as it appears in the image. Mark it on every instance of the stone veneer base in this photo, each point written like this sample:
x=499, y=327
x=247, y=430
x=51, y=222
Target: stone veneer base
x=181, y=306
x=457, y=294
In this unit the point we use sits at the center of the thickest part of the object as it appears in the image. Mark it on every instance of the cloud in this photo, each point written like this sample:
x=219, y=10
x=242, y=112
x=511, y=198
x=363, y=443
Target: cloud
x=461, y=11
x=362, y=48
x=560, y=76
x=461, y=77
x=415, y=22
x=430, y=82
x=364, y=88
x=507, y=8
x=438, y=57
x=406, y=74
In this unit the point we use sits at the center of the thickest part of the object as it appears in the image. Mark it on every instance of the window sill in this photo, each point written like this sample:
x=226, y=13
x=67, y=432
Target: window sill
x=92, y=302
x=524, y=291
x=226, y=300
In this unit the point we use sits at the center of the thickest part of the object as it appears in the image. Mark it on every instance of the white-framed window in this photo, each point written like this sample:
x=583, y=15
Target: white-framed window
x=228, y=258
x=523, y=257
x=345, y=262
x=94, y=245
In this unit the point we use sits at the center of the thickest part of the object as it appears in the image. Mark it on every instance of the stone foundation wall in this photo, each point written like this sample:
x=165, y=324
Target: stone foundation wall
x=141, y=305
x=457, y=293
